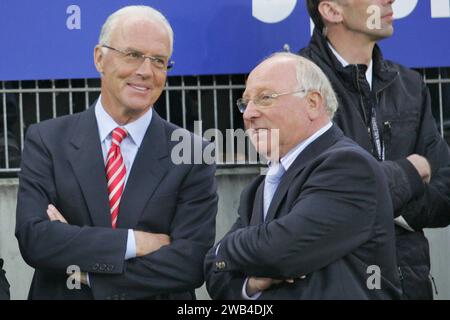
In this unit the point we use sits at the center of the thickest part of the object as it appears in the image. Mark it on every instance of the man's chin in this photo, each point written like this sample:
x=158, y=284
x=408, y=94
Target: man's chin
x=135, y=111
x=138, y=105
x=267, y=152
x=382, y=34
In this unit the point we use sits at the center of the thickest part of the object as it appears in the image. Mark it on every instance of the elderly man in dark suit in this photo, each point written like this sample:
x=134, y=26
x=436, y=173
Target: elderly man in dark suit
x=103, y=211
x=319, y=225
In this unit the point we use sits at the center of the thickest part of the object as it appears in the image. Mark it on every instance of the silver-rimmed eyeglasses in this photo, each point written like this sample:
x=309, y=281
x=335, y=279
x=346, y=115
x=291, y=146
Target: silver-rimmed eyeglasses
x=136, y=59
x=263, y=100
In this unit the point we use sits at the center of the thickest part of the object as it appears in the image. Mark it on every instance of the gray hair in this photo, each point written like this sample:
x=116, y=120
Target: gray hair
x=144, y=12
x=311, y=77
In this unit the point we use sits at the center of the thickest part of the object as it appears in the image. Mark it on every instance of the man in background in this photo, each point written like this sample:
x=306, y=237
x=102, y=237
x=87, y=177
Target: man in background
x=385, y=108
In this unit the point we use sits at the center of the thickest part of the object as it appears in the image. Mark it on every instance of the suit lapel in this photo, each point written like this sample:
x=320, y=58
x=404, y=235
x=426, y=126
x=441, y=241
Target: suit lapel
x=247, y=200
x=318, y=146
x=87, y=162
x=257, y=212
x=149, y=168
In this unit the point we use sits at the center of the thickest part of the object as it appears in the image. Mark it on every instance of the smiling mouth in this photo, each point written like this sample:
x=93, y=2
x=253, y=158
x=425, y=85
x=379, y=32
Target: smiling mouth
x=257, y=130
x=138, y=87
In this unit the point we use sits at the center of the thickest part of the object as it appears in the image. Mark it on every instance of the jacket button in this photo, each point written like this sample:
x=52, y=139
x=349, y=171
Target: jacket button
x=95, y=266
x=303, y=277
x=221, y=265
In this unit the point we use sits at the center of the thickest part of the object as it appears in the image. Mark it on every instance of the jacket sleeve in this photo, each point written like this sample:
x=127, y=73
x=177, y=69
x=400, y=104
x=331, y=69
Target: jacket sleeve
x=333, y=214
x=53, y=245
x=432, y=208
x=177, y=267
x=223, y=285
x=404, y=181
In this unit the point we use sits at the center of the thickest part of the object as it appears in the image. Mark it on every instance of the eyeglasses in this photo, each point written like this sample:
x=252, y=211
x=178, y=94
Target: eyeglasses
x=136, y=59
x=262, y=101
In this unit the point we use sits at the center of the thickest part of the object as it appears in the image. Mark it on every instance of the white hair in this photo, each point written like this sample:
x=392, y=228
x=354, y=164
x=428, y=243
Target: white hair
x=144, y=12
x=311, y=77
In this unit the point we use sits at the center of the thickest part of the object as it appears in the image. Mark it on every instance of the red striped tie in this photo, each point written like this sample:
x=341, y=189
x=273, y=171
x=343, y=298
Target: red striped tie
x=115, y=173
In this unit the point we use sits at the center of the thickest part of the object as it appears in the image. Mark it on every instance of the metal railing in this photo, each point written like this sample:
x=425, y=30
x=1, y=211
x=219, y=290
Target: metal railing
x=209, y=99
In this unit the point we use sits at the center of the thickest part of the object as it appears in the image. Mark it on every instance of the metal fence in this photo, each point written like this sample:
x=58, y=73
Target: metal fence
x=209, y=99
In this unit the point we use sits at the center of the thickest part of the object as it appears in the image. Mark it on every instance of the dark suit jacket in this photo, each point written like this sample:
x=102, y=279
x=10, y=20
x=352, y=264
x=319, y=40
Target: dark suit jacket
x=4, y=285
x=62, y=164
x=329, y=220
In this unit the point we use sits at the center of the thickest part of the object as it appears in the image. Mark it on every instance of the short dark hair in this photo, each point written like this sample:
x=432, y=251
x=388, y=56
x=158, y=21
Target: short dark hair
x=313, y=10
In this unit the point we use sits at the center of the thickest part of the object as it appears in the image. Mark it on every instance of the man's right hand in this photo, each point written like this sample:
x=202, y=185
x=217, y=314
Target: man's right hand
x=422, y=166
x=255, y=284
x=147, y=242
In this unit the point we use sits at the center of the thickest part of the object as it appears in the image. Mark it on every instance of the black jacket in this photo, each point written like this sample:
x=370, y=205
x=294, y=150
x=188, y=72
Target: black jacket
x=328, y=225
x=4, y=285
x=407, y=126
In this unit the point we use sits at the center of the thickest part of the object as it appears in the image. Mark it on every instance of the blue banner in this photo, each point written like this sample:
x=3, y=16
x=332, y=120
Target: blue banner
x=49, y=39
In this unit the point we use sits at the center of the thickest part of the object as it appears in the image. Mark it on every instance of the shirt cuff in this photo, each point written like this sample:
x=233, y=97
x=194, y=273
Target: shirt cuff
x=217, y=249
x=131, y=245
x=87, y=280
x=400, y=221
x=245, y=295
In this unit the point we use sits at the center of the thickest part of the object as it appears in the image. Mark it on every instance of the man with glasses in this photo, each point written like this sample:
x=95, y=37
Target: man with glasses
x=319, y=224
x=385, y=108
x=103, y=212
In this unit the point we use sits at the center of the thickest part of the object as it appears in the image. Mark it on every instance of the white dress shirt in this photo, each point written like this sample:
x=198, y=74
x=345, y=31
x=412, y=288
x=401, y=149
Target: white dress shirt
x=369, y=71
x=129, y=148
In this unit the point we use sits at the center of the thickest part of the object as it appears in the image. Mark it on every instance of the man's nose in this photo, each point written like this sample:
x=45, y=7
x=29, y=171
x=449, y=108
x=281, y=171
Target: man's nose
x=145, y=70
x=251, y=111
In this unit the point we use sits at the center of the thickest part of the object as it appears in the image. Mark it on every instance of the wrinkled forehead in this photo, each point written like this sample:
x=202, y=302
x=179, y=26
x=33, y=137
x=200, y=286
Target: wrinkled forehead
x=278, y=73
x=140, y=31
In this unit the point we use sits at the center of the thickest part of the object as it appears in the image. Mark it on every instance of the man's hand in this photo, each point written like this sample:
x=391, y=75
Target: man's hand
x=82, y=276
x=422, y=166
x=147, y=242
x=255, y=285
x=54, y=214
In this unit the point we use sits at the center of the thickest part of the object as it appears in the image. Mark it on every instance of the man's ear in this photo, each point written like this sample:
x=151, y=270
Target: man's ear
x=330, y=11
x=315, y=103
x=98, y=58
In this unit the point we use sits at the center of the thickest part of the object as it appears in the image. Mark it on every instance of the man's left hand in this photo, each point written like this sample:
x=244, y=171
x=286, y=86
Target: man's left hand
x=54, y=214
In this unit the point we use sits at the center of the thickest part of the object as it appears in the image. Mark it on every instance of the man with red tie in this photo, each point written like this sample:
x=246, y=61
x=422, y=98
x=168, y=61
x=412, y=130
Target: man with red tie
x=103, y=212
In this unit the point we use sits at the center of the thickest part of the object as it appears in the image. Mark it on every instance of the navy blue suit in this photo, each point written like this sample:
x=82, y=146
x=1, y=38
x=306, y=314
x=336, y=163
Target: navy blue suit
x=329, y=221
x=63, y=165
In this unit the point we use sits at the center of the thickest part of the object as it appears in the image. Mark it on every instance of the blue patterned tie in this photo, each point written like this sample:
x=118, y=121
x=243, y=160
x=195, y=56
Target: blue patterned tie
x=271, y=182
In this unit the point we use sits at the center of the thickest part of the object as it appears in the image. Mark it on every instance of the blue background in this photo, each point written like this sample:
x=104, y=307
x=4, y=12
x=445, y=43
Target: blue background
x=211, y=37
